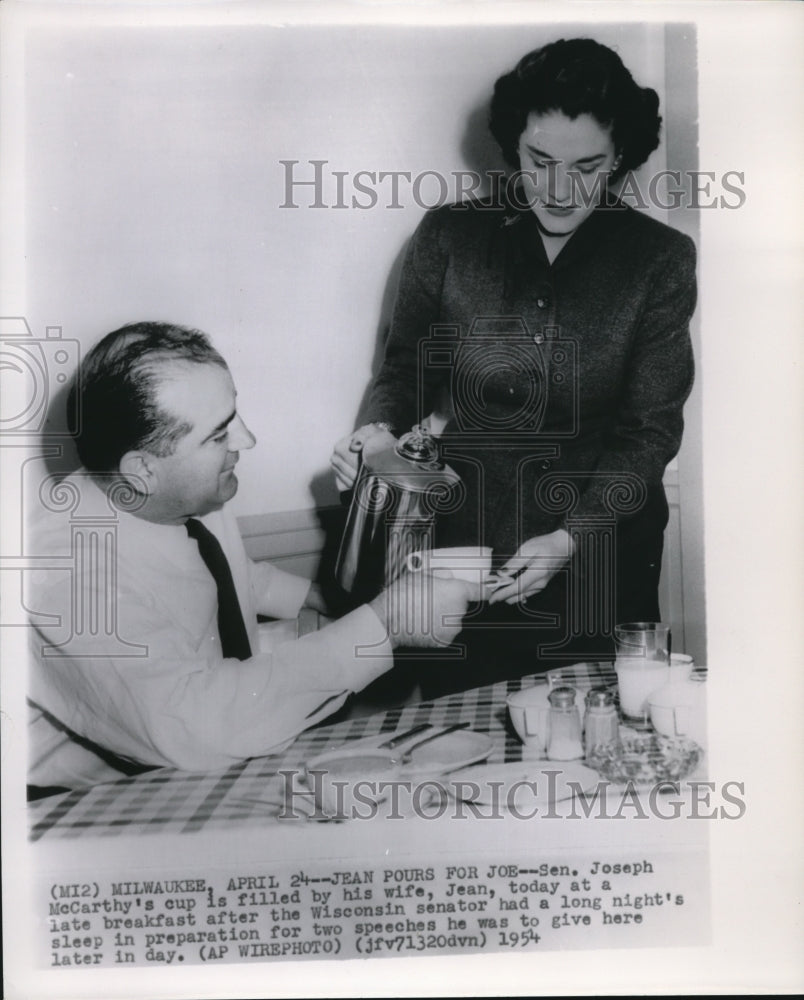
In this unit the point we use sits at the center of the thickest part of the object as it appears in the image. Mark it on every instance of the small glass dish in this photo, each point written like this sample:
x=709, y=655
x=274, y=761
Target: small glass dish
x=584, y=676
x=645, y=758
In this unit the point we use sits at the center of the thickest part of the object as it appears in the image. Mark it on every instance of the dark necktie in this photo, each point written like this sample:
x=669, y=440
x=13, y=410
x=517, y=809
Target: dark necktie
x=231, y=627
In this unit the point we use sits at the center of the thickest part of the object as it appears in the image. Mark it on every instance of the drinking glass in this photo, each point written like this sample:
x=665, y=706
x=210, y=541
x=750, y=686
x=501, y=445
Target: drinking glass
x=642, y=665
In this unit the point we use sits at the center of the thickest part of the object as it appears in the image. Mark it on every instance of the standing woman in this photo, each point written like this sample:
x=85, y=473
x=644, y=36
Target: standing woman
x=557, y=322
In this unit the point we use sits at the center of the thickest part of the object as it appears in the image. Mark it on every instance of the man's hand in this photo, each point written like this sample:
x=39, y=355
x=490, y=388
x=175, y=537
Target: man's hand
x=424, y=610
x=344, y=459
x=536, y=562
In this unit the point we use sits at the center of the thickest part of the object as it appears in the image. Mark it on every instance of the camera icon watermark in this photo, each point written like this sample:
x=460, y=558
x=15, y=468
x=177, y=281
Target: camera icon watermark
x=34, y=370
x=502, y=377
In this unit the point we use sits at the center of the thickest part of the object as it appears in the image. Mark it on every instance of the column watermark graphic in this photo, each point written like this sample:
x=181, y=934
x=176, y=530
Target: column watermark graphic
x=82, y=569
x=591, y=605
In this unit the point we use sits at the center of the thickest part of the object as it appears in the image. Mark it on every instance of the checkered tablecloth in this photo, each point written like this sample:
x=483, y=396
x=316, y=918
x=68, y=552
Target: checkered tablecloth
x=171, y=801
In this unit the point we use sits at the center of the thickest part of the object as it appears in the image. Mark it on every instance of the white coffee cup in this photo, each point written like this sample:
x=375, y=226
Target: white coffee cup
x=469, y=562
x=680, y=667
x=679, y=709
x=529, y=710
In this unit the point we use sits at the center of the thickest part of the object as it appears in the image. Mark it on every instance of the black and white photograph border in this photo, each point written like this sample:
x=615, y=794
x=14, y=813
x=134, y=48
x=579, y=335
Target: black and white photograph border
x=209, y=165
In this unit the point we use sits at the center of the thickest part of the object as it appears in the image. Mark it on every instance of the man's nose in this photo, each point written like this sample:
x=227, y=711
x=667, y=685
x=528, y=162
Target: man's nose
x=240, y=437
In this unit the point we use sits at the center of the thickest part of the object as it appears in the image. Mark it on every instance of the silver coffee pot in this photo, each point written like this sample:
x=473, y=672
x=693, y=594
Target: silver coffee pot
x=398, y=491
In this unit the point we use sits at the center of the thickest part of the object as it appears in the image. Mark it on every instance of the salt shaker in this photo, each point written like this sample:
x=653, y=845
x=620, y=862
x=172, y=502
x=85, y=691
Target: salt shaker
x=565, y=725
x=601, y=725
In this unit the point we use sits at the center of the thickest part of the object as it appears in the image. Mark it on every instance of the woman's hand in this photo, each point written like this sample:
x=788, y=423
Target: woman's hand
x=536, y=562
x=344, y=460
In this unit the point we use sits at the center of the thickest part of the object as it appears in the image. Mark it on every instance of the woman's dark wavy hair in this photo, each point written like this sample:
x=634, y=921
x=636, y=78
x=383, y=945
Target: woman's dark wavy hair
x=577, y=76
x=116, y=387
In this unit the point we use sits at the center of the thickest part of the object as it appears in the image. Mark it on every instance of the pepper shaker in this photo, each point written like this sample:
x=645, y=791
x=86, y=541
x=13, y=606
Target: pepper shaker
x=601, y=724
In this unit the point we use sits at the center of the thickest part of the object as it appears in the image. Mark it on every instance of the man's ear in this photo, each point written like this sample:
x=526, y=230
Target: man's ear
x=139, y=470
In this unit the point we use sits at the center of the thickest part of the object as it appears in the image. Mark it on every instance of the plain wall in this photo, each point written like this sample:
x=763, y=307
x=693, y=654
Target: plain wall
x=154, y=191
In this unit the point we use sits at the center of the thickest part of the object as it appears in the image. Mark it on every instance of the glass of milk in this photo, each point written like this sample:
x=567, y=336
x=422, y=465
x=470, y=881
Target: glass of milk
x=642, y=665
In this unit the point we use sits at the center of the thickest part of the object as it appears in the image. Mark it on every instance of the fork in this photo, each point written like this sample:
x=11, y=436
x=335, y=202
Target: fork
x=396, y=740
x=406, y=756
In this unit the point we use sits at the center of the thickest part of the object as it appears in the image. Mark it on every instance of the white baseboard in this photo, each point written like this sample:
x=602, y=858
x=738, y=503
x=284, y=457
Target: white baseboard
x=293, y=540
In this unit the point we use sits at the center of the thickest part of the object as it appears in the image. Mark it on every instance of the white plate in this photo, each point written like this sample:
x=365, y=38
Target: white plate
x=353, y=780
x=447, y=753
x=522, y=784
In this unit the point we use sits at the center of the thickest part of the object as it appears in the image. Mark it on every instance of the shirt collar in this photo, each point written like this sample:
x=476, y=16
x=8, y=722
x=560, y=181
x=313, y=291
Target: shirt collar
x=106, y=499
x=601, y=224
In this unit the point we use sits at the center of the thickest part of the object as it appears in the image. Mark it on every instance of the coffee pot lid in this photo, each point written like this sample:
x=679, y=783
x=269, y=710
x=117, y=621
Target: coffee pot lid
x=413, y=463
x=419, y=445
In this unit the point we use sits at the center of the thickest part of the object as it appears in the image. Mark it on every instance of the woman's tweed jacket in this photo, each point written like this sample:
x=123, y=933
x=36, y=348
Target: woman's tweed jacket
x=567, y=381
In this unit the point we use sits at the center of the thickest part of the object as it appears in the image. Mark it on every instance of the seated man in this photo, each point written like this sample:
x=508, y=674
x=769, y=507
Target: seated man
x=146, y=648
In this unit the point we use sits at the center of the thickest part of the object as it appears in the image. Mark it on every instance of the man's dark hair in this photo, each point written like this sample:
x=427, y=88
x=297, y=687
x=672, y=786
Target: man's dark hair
x=577, y=76
x=116, y=389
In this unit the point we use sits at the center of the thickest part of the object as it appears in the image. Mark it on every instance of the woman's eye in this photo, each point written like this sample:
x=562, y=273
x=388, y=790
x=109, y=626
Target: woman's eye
x=536, y=163
x=221, y=437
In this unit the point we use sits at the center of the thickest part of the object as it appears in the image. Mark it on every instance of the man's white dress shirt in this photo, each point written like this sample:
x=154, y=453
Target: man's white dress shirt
x=127, y=655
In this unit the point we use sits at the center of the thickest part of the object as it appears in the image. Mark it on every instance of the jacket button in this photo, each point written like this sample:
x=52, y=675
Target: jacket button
x=538, y=338
x=542, y=302
x=545, y=464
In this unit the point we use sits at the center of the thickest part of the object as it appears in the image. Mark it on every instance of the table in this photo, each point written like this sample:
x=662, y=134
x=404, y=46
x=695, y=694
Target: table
x=171, y=801
x=168, y=836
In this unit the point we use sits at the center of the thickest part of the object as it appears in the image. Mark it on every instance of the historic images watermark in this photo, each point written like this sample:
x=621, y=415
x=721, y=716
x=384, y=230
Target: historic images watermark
x=319, y=794
x=318, y=184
